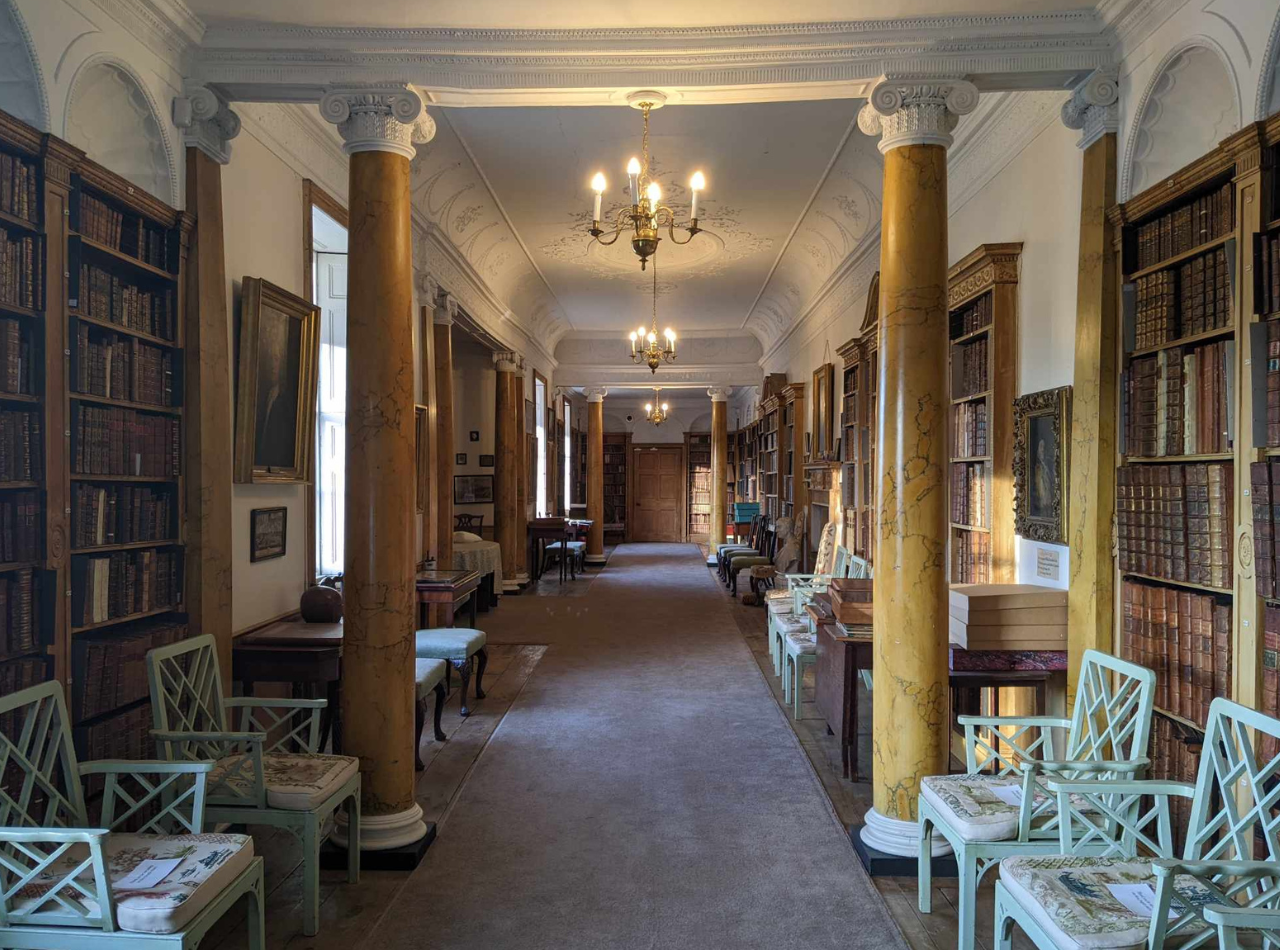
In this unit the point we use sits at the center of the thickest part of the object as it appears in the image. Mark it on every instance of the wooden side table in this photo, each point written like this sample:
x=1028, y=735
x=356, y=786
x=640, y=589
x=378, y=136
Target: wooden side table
x=446, y=587
x=299, y=653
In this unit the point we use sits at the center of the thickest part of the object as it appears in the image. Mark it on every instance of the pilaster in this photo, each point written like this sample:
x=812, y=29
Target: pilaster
x=505, y=462
x=595, y=474
x=719, y=456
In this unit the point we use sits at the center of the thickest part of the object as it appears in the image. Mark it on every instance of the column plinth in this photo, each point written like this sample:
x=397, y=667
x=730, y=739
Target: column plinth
x=595, y=475
x=719, y=458
x=910, y=696
x=505, y=461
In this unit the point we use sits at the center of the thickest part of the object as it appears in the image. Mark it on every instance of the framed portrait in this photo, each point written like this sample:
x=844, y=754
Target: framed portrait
x=472, y=489
x=275, y=384
x=460, y=458
x=1041, y=459
x=823, y=419
x=267, y=533
x=475, y=435
x=486, y=461
x=421, y=456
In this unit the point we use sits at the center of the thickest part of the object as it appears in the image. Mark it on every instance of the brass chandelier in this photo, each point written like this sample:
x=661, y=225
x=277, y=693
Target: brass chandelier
x=647, y=214
x=645, y=348
x=654, y=412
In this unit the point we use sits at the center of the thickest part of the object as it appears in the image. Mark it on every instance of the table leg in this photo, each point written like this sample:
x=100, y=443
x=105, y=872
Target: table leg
x=335, y=704
x=475, y=596
x=850, y=741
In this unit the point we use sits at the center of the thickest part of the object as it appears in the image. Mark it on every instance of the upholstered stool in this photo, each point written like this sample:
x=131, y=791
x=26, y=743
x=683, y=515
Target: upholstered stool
x=429, y=676
x=802, y=651
x=457, y=645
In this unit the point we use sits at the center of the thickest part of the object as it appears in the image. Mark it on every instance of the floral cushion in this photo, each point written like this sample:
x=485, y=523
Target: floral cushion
x=802, y=643
x=209, y=864
x=791, y=623
x=971, y=807
x=1069, y=899
x=778, y=593
x=295, y=781
x=781, y=607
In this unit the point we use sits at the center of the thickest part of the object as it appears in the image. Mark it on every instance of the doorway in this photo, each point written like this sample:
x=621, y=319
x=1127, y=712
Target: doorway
x=658, y=498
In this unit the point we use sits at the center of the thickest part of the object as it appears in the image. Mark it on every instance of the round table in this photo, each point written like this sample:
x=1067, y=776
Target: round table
x=483, y=557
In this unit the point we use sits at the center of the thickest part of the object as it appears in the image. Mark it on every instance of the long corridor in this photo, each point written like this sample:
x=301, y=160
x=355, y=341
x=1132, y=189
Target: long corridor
x=643, y=791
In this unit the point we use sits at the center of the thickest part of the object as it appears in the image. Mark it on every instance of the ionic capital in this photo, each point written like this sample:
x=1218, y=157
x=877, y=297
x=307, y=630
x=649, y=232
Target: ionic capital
x=719, y=393
x=916, y=110
x=207, y=122
x=1094, y=106
x=595, y=394
x=504, y=361
x=378, y=118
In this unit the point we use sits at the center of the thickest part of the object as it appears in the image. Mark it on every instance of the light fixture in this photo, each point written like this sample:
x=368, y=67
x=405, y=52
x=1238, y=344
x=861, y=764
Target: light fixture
x=656, y=413
x=647, y=214
x=645, y=347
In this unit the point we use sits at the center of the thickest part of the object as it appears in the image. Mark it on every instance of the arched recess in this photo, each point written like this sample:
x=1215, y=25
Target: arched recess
x=111, y=115
x=22, y=90
x=1191, y=104
x=1268, y=99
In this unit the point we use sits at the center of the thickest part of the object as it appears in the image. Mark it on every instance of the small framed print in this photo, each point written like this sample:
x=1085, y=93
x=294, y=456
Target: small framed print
x=460, y=458
x=1041, y=461
x=486, y=461
x=472, y=489
x=475, y=435
x=267, y=533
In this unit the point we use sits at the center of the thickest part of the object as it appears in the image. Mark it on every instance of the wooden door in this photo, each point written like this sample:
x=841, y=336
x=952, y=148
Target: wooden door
x=658, y=500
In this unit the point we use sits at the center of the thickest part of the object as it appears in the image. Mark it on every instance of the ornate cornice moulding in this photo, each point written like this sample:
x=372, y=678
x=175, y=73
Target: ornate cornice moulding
x=981, y=269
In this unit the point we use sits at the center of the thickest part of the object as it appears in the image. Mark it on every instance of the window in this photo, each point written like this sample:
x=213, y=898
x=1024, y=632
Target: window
x=540, y=438
x=329, y=292
x=568, y=461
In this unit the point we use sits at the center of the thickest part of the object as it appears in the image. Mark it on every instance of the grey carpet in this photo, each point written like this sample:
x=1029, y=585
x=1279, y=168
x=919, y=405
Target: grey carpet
x=644, y=791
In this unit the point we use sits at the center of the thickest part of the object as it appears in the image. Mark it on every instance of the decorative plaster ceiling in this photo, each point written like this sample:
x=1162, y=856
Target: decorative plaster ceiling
x=763, y=161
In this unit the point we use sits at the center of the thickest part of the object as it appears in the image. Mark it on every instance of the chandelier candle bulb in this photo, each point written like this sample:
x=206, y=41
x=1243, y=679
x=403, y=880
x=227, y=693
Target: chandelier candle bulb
x=655, y=196
x=633, y=180
x=696, y=183
x=633, y=343
x=598, y=185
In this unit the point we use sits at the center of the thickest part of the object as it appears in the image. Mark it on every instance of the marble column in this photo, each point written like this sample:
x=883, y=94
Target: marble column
x=1093, y=109
x=914, y=118
x=719, y=459
x=446, y=308
x=522, y=476
x=595, y=475
x=505, y=460
x=379, y=127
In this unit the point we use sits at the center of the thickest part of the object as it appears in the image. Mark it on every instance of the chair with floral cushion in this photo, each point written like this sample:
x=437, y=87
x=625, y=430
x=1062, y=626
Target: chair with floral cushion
x=1002, y=807
x=256, y=779
x=792, y=591
x=65, y=880
x=1073, y=901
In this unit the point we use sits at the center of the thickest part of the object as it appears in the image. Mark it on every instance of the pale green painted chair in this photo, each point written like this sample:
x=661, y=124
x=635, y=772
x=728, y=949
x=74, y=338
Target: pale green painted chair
x=1002, y=808
x=1216, y=889
x=256, y=780
x=791, y=592
x=800, y=648
x=63, y=877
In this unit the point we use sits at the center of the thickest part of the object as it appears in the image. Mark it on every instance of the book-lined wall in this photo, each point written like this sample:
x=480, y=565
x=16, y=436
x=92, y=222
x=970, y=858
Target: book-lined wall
x=747, y=443
x=858, y=429
x=793, y=495
x=91, y=525
x=615, y=484
x=698, y=453
x=767, y=453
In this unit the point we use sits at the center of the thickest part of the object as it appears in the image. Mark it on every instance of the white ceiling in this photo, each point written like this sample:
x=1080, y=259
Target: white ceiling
x=520, y=14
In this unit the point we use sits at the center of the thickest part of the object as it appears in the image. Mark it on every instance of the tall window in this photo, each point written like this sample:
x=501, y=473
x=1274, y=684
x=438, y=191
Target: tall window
x=540, y=437
x=568, y=461
x=329, y=291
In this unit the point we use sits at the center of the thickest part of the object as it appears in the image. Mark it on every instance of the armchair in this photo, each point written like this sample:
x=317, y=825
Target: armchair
x=63, y=879
x=980, y=815
x=266, y=772
x=1216, y=890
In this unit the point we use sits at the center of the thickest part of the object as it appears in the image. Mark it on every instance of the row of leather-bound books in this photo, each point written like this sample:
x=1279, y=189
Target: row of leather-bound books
x=123, y=583
x=113, y=665
x=121, y=514
x=1185, y=637
x=1185, y=227
x=21, y=452
x=20, y=530
x=970, y=557
x=969, y=493
x=15, y=357
x=969, y=368
x=129, y=234
x=22, y=271
x=1193, y=297
x=1176, y=401
x=1173, y=760
x=117, y=367
x=124, y=302
x=1264, y=493
x=111, y=441
x=971, y=317
x=19, y=613
x=19, y=188
x=969, y=428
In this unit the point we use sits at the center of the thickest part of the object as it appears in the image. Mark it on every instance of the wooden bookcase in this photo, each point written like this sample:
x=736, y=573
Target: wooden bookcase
x=616, y=450
x=697, y=452
x=100, y=379
x=747, y=441
x=982, y=376
x=768, y=482
x=1193, y=375
x=792, y=493
x=860, y=384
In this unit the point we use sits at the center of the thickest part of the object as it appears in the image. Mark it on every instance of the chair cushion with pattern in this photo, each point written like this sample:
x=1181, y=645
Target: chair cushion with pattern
x=971, y=807
x=297, y=781
x=1068, y=897
x=791, y=623
x=447, y=643
x=209, y=864
x=781, y=607
x=780, y=594
x=427, y=673
x=802, y=643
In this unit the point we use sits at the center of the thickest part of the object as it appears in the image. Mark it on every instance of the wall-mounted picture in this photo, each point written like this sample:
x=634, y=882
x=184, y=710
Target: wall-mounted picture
x=460, y=458
x=267, y=533
x=472, y=489
x=475, y=435
x=486, y=461
x=823, y=419
x=1041, y=455
x=276, y=380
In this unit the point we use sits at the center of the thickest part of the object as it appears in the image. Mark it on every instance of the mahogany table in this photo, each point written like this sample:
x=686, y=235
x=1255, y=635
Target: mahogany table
x=446, y=587
x=305, y=654
x=541, y=531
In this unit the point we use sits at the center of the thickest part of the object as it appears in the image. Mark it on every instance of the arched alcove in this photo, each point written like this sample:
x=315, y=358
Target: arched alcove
x=112, y=118
x=22, y=92
x=1268, y=99
x=1190, y=106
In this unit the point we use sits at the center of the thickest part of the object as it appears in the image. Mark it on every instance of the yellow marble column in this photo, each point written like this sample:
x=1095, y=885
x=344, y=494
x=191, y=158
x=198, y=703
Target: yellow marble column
x=1093, y=109
x=595, y=475
x=505, y=460
x=446, y=308
x=910, y=695
x=719, y=458
x=522, y=477
x=379, y=127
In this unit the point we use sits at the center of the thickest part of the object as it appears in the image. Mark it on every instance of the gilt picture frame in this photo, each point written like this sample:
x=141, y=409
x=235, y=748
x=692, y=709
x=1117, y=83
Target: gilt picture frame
x=1041, y=464
x=276, y=367
x=823, y=447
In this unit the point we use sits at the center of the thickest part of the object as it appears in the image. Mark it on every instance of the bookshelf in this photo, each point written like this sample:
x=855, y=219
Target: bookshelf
x=697, y=450
x=768, y=483
x=860, y=383
x=730, y=474
x=1192, y=456
x=616, y=446
x=982, y=381
x=747, y=441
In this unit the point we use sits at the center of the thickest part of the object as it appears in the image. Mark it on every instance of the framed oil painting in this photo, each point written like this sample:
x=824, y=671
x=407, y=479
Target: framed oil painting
x=1041, y=459
x=275, y=384
x=472, y=489
x=823, y=419
x=267, y=533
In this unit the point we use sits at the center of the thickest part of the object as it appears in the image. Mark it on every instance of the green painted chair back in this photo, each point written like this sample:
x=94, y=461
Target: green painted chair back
x=39, y=779
x=857, y=567
x=186, y=695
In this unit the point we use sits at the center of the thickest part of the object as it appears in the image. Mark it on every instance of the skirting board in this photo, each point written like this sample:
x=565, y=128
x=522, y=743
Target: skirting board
x=406, y=858
x=879, y=864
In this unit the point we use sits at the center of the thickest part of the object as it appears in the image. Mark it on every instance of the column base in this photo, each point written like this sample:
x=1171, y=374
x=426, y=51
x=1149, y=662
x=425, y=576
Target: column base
x=894, y=836
x=879, y=863
x=404, y=858
x=597, y=559
x=383, y=832
x=510, y=586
